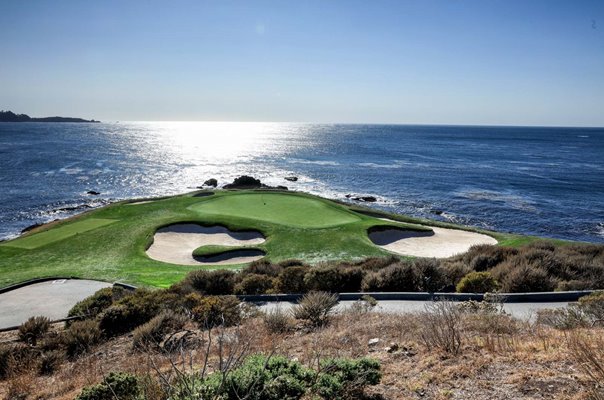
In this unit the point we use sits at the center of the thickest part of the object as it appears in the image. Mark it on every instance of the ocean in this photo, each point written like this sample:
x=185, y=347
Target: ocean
x=530, y=180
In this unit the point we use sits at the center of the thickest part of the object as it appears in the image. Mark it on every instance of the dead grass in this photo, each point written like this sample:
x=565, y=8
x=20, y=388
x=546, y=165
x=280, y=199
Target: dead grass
x=497, y=358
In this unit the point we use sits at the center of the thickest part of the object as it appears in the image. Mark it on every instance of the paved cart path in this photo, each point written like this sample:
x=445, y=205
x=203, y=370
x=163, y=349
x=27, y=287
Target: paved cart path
x=52, y=299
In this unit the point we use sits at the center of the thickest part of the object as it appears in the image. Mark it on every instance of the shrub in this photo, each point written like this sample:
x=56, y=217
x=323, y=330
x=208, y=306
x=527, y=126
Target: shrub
x=211, y=311
x=93, y=305
x=485, y=256
x=291, y=280
x=430, y=276
x=440, y=326
x=315, y=308
x=33, y=329
x=116, y=385
x=152, y=332
x=262, y=267
x=218, y=282
x=477, y=282
x=50, y=362
x=562, y=318
x=260, y=378
x=292, y=263
x=15, y=358
x=400, y=277
x=346, y=379
x=277, y=321
x=81, y=336
x=363, y=305
x=131, y=311
x=524, y=278
x=593, y=306
x=377, y=263
x=334, y=278
x=254, y=284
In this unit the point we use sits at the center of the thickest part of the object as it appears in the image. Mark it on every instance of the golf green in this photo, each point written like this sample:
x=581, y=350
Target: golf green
x=277, y=208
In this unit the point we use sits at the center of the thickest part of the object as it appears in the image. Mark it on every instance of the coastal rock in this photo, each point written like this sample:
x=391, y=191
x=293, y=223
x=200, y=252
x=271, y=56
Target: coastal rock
x=93, y=192
x=291, y=178
x=34, y=226
x=245, y=182
x=249, y=182
x=366, y=199
x=211, y=182
x=437, y=212
x=373, y=342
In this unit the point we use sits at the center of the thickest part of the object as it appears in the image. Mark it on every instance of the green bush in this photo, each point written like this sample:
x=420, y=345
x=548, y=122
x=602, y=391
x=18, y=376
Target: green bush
x=341, y=379
x=214, y=283
x=152, y=332
x=93, y=305
x=33, y=329
x=116, y=385
x=261, y=378
x=81, y=336
x=131, y=311
x=477, y=282
x=291, y=280
x=315, y=308
x=254, y=284
x=211, y=311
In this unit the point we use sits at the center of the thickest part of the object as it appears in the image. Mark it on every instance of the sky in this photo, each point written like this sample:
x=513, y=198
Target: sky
x=485, y=62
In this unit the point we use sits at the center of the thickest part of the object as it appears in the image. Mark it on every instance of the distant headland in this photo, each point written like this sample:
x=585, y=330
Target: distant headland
x=9, y=116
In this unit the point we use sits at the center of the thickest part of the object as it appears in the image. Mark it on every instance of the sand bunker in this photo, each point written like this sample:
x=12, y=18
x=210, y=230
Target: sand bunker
x=175, y=244
x=442, y=243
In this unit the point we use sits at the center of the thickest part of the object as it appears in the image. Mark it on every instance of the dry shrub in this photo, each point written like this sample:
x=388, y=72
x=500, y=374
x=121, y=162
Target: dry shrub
x=440, y=326
x=255, y=284
x=15, y=358
x=562, y=318
x=430, y=276
x=33, y=329
x=211, y=311
x=334, y=278
x=485, y=256
x=291, y=280
x=262, y=267
x=522, y=277
x=151, y=333
x=399, y=277
x=218, y=282
x=316, y=308
x=377, y=263
x=588, y=352
x=51, y=361
x=277, y=321
x=81, y=336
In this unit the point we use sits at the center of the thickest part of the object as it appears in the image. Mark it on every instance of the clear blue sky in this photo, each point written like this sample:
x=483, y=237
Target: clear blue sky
x=443, y=62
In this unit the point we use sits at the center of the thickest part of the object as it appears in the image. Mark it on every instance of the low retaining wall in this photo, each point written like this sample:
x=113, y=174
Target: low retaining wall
x=544, y=297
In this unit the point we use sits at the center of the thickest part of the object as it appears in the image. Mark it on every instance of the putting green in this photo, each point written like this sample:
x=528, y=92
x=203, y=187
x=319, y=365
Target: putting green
x=36, y=240
x=278, y=208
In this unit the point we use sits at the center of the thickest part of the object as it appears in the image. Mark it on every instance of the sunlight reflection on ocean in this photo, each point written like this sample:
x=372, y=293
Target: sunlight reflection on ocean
x=543, y=181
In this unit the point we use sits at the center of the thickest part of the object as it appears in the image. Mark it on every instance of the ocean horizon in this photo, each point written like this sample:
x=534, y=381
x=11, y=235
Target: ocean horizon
x=544, y=181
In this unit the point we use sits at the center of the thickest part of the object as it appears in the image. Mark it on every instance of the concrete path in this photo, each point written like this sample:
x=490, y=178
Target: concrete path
x=524, y=311
x=52, y=299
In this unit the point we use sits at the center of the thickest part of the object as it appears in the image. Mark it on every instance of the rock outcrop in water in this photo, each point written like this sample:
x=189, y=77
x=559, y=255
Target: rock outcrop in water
x=9, y=116
x=211, y=182
x=249, y=182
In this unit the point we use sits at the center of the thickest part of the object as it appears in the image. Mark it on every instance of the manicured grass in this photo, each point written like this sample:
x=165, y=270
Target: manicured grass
x=44, y=238
x=278, y=208
x=110, y=243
